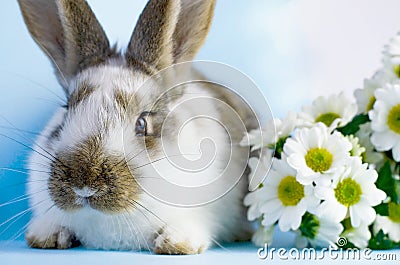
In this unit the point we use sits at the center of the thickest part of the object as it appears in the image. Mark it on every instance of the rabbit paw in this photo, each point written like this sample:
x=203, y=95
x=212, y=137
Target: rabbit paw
x=172, y=244
x=60, y=239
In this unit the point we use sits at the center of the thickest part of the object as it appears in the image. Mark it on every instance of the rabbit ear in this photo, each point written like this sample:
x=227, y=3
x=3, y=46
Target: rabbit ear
x=68, y=32
x=168, y=32
x=150, y=47
x=192, y=28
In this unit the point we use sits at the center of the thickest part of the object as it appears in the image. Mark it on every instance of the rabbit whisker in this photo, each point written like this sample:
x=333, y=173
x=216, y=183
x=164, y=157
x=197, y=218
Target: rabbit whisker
x=21, y=198
x=20, y=231
x=19, y=130
x=130, y=226
x=51, y=227
x=25, y=145
x=20, y=170
x=20, y=184
x=63, y=100
x=19, y=215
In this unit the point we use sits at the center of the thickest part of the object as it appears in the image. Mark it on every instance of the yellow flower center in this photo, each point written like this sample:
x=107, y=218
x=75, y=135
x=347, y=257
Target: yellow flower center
x=290, y=191
x=327, y=118
x=396, y=70
x=393, y=119
x=371, y=103
x=394, y=212
x=319, y=159
x=348, y=192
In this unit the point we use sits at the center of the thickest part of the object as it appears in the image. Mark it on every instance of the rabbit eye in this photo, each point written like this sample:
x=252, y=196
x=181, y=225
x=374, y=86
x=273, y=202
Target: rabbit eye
x=141, y=127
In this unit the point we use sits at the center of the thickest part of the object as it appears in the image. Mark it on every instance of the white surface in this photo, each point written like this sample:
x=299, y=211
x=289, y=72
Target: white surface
x=237, y=253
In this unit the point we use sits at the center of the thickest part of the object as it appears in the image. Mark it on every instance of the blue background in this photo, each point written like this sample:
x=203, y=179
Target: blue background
x=294, y=50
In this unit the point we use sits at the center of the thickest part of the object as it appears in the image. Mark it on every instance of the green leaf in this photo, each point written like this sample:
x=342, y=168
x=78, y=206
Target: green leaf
x=349, y=245
x=397, y=191
x=278, y=147
x=386, y=182
x=309, y=225
x=353, y=126
x=382, y=209
x=381, y=241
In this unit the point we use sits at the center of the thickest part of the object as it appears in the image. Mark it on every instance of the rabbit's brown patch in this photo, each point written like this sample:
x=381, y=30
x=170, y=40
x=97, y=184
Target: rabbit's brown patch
x=87, y=166
x=150, y=142
x=61, y=239
x=80, y=94
x=179, y=248
x=124, y=99
x=55, y=134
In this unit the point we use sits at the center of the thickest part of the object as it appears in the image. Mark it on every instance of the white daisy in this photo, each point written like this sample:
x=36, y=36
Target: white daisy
x=257, y=138
x=284, y=129
x=333, y=111
x=390, y=225
x=275, y=133
x=385, y=120
x=356, y=149
x=392, y=54
x=263, y=235
x=316, y=154
x=359, y=236
x=370, y=155
x=353, y=193
x=317, y=231
x=389, y=73
x=286, y=199
x=365, y=97
x=254, y=200
x=259, y=168
x=257, y=195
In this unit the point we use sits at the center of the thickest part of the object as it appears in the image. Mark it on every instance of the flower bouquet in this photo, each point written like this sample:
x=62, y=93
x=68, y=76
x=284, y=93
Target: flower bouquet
x=332, y=170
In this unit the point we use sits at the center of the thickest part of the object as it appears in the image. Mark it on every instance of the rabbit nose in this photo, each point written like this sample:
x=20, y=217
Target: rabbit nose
x=85, y=192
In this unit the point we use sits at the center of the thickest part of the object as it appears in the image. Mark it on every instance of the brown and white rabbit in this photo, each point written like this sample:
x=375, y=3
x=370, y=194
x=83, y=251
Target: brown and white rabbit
x=104, y=169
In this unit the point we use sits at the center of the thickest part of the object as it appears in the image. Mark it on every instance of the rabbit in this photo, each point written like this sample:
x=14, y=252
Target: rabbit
x=104, y=164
